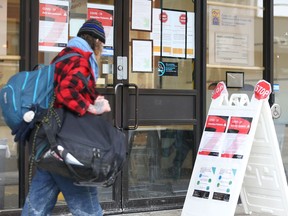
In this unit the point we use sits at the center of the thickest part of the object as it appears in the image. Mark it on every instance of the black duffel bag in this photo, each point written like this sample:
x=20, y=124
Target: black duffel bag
x=88, y=149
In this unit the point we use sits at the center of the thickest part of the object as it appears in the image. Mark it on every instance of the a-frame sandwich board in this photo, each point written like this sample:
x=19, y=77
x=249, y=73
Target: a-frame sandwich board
x=264, y=189
x=231, y=128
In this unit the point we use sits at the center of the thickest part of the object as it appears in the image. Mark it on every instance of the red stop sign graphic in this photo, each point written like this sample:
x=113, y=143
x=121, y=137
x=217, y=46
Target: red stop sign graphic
x=218, y=90
x=182, y=19
x=262, y=90
x=163, y=17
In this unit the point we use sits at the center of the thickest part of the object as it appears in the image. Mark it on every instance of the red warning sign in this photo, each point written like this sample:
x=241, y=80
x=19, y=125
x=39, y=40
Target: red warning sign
x=220, y=88
x=262, y=90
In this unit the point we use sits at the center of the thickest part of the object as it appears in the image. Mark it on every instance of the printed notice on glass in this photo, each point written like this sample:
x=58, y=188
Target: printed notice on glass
x=172, y=37
x=142, y=55
x=53, y=25
x=190, y=43
x=105, y=15
x=162, y=40
x=173, y=33
x=3, y=23
x=231, y=41
x=231, y=48
x=141, y=15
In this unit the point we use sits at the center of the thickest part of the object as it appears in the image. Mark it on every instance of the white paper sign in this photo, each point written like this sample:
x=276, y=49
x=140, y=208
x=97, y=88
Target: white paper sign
x=141, y=15
x=231, y=41
x=53, y=25
x=142, y=55
x=177, y=35
x=3, y=23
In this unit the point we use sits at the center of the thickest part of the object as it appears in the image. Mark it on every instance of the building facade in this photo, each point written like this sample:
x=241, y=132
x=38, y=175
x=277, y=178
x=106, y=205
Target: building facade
x=160, y=63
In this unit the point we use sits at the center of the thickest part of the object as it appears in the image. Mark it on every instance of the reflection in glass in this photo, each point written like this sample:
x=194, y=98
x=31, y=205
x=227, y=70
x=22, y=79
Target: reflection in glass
x=281, y=76
x=233, y=24
x=160, y=162
x=169, y=48
x=9, y=65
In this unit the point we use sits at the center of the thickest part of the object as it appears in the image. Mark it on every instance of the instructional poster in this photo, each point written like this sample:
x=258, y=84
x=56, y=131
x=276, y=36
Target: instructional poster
x=105, y=15
x=231, y=40
x=173, y=31
x=53, y=25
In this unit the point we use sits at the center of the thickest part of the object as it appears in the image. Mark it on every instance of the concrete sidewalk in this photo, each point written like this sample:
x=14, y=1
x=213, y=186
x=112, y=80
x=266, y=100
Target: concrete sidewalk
x=239, y=212
x=177, y=212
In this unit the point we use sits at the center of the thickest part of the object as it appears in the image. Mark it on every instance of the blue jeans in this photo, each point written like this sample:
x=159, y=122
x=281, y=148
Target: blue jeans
x=44, y=190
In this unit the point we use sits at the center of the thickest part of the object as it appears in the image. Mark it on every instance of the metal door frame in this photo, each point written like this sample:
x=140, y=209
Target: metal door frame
x=29, y=53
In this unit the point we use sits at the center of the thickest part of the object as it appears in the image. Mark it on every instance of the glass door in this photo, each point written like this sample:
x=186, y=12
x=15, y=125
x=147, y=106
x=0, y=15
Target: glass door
x=281, y=76
x=234, y=45
x=9, y=65
x=147, y=74
x=59, y=21
x=159, y=113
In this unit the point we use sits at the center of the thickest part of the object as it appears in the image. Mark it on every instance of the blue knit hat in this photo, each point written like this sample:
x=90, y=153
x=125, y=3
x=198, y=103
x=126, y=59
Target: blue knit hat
x=94, y=28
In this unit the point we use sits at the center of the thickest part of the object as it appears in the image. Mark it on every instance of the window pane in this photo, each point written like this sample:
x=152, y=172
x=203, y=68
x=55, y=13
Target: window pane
x=160, y=161
x=234, y=43
x=281, y=74
x=9, y=65
x=79, y=12
x=173, y=47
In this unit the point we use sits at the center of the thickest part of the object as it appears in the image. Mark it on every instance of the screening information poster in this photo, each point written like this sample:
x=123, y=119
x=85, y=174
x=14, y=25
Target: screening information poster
x=53, y=25
x=105, y=15
x=170, y=31
x=231, y=40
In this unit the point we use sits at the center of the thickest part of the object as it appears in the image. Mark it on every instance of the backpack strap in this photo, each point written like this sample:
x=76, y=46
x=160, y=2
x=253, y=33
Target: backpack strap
x=59, y=60
x=66, y=56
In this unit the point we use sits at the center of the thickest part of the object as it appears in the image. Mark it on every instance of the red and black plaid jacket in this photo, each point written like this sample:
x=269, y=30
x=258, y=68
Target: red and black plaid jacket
x=70, y=88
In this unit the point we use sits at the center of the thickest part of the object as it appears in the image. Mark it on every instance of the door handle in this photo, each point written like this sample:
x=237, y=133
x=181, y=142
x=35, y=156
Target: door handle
x=135, y=126
x=130, y=85
x=117, y=86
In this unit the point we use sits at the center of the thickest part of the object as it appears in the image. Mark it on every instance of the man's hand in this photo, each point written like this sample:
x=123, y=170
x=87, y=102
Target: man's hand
x=100, y=106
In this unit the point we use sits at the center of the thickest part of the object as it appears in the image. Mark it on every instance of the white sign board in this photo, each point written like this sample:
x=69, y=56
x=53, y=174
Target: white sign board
x=264, y=189
x=224, y=151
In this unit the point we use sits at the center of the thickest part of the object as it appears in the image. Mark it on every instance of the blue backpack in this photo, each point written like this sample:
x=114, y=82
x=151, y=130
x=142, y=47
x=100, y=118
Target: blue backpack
x=26, y=90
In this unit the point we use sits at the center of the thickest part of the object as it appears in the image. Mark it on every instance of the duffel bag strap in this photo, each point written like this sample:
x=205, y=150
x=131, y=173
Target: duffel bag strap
x=46, y=124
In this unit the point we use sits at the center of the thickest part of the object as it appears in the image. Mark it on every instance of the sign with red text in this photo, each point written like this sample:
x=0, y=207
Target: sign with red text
x=53, y=25
x=105, y=15
x=233, y=127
